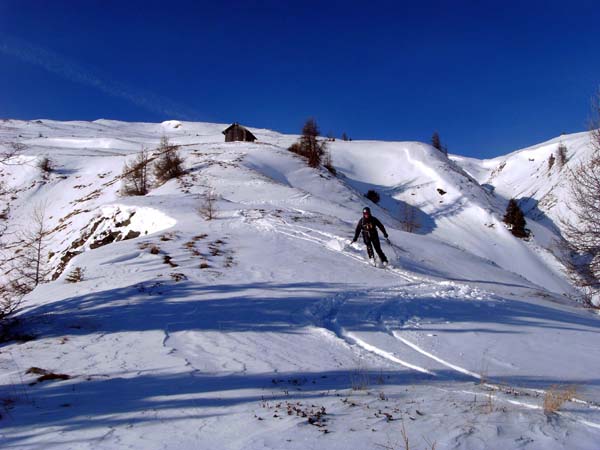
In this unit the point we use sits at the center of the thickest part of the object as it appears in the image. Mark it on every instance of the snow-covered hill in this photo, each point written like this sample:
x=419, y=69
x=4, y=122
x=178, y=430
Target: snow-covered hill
x=542, y=189
x=233, y=333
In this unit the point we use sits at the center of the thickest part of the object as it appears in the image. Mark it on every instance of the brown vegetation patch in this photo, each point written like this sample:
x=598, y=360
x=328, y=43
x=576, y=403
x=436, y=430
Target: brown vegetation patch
x=46, y=375
x=556, y=396
x=91, y=196
x=168, y=260
x=178, y=276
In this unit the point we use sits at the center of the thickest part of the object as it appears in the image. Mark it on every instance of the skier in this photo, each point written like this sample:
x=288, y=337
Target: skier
x=368, y=225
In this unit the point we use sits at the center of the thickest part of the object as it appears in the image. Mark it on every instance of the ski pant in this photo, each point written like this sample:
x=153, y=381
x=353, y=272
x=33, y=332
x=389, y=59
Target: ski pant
x=372, y=242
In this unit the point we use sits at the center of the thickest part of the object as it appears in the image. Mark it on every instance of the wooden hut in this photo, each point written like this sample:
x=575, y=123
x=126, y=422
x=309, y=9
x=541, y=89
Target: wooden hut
x=236, y=132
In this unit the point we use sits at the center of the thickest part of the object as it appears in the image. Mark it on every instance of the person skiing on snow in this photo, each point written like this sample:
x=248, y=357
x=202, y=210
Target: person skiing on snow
x=368, y=225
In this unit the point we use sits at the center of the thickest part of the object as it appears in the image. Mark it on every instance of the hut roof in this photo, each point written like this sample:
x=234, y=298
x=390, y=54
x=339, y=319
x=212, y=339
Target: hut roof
x=237, y=125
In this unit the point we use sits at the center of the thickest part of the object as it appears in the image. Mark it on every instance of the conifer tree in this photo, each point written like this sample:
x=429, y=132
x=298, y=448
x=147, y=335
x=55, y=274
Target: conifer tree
x=437, y=143
x=515, y=219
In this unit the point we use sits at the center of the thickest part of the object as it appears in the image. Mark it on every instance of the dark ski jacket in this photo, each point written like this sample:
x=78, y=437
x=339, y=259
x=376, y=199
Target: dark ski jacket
x=369, y=228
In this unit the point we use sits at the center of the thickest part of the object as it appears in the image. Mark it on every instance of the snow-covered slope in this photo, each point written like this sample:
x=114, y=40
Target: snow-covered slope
x=542, y=190
x=451, y=205
x=263, y=328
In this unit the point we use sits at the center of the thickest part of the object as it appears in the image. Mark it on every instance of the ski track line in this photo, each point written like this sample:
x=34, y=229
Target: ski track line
x=479, y=377
x=591, y=405
x=536, y=407
x=384, y=354
x=330, y=323
x=298, y=234
x=585, y=422
x=514, y=402
x=435, y=358
x=391, y=357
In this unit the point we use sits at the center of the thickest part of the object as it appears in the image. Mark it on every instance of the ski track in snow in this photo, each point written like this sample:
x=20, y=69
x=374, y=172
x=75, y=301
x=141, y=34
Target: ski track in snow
x=326, y=314
x=416, y=348
x=295, y=231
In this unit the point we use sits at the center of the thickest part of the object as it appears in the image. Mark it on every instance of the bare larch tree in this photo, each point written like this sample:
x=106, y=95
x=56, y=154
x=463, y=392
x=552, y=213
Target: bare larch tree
x=135, y=175
x=583, y=234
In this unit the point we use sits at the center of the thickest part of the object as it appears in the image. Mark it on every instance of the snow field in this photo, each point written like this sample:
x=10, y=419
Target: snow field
x=233, y=333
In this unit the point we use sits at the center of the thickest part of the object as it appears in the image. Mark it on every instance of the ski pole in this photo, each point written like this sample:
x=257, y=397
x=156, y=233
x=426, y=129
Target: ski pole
x=394, y=245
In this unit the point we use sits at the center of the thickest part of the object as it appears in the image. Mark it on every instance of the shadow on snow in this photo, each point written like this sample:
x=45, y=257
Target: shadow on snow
x=283, y=308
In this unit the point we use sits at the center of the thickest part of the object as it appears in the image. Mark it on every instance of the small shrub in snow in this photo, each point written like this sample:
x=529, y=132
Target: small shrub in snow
x=373, y=195
x=561, y=155
x=208, y=206
x=46, y=165
x=359, y=379
x=169, y=163
x=405, y=444
x=75, y=276
x=178, y=276
x=556, y=397
x=551, y=160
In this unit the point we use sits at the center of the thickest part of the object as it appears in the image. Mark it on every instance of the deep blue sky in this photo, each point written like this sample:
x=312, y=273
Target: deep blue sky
x=490, y=76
